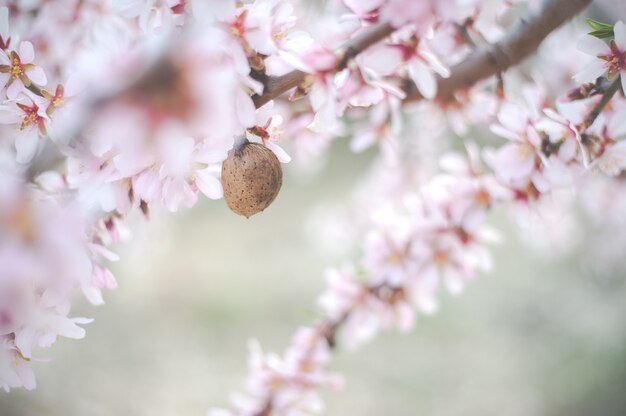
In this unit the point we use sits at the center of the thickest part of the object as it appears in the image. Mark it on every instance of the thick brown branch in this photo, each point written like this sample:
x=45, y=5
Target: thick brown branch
x=485, y=62
x=277, y=86
x=522, y=41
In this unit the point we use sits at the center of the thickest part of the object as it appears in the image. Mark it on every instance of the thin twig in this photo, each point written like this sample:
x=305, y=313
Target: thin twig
x=606, y=97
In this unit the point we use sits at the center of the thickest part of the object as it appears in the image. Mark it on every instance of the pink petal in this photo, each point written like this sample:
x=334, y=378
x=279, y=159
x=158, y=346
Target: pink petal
x=424, y=79
x=4, y=78
x=436, y=64
x=592, y=45
x=502, y=132
x=26, y=145
x=66, y=328
x=513, y=117
x=261, y=41
x=325, y=118
x=514, y=161
x=27, y=52
x=26, y=374
x=93, y=294
x=24, y=341
x=14, y=89
x=9, y=115
x=147, y=185
x=208, y=184
x=245, y=109
x=360, y=142
x=37, y=75
x=4, y=23
x=383, y=60
x=362, y=7
x=591, y=72
x=620, y=35
x=279, y=152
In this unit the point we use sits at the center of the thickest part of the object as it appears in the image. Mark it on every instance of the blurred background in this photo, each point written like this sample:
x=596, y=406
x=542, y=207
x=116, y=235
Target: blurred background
x=540, y=335
x=544, y=334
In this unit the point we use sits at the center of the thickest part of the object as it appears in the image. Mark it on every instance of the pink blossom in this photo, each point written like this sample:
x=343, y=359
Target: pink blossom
x=422, y=14
x=14, y=370
x=613, y=161
x=610, y=59
x=30, y=121
x=267, y=129
x=17, y=70
x=46, y=261
x=364, y=9
x=420, y=62
x=287, y=384
x=155, y=14
x=186, y=168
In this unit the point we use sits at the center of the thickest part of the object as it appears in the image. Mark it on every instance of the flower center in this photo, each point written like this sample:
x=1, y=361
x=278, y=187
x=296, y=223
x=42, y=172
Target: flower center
x=31, y=116
x=441, y=258
x=525, y=151
x=16, y=68
x=29, y=119
x=615, y=62
x=482, y=197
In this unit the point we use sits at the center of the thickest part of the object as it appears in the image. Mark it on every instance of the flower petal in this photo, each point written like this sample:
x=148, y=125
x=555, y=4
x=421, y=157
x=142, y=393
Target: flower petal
x=25, y=340
x=424, y=79
x=26, y=145
x=9, y=115
x=592, y=45
x=14, y=89
x=503, y=132
x=619, y=30
x=208, y=184
x=4, y=78
x=37, y=75
x=591, y=72
x=514, y=161
x=245, y=109
x=27, y=52
x=4, y=23
x=279, y=152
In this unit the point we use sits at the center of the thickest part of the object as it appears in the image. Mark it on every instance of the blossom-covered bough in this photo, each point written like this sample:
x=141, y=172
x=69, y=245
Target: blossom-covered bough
x=135, y=107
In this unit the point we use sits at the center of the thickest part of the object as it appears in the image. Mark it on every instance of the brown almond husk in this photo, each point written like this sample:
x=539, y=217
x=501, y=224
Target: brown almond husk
x=251, y=178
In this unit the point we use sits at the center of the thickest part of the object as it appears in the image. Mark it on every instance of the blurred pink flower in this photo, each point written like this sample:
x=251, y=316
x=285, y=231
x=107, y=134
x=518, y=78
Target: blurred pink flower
x=17, y=70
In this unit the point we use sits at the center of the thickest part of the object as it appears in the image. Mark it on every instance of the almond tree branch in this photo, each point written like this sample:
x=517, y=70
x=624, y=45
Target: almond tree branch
x=517, y=45
x=276, y=86
x=485, y=62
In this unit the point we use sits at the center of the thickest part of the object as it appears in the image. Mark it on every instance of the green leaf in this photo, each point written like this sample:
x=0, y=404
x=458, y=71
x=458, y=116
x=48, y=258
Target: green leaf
x=600, y=30
x=602, y=34
x=599, y=26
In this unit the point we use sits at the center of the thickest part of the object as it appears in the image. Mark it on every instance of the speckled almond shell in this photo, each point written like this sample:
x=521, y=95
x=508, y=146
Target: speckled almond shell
x=251, y=178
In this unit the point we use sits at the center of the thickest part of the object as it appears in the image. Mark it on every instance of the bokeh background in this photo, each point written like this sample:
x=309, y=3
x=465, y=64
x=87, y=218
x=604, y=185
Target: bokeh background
x=541, y=335
x=537, y=336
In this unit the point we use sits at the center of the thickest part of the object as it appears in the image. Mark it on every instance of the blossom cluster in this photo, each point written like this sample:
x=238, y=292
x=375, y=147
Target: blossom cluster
x=418, y=242
x=121, y=114
x=50, y=250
